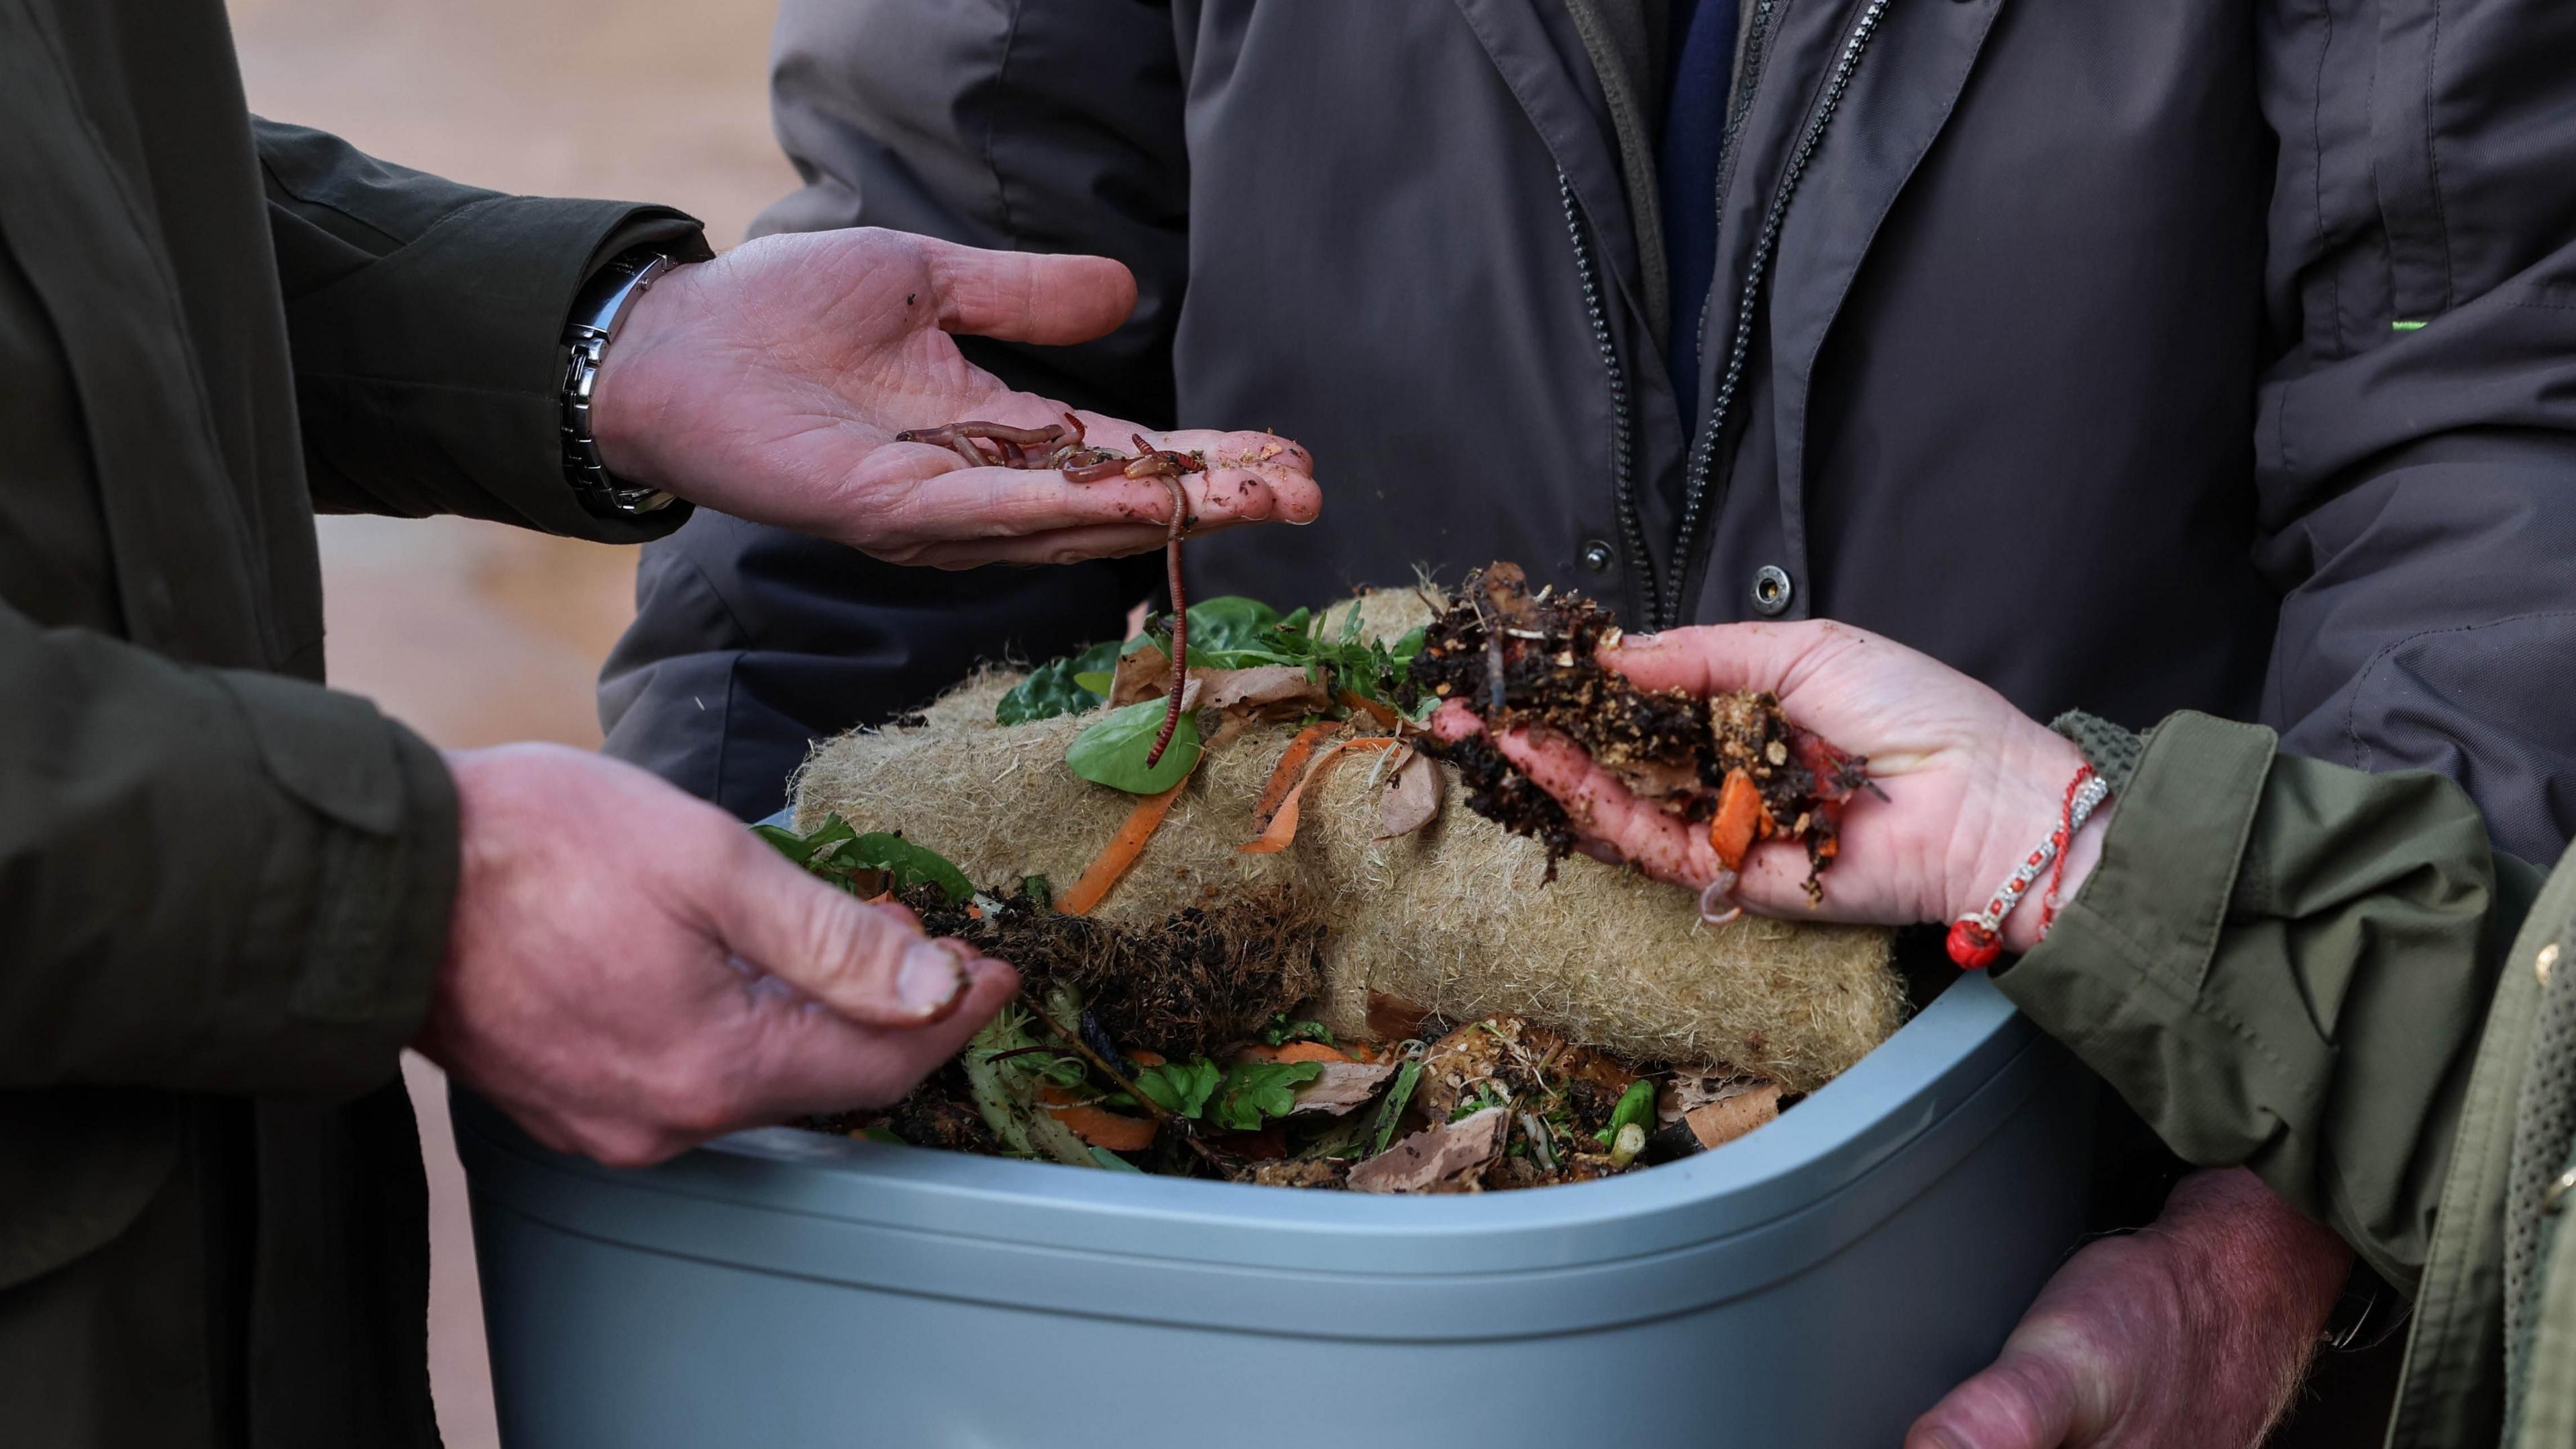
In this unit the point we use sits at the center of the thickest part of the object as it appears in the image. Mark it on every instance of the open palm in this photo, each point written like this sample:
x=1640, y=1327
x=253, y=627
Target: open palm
x=1970, y=782
x=770, y=383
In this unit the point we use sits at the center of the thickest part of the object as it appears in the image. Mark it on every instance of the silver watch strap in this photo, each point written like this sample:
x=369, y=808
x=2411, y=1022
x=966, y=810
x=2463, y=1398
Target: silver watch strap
x=597, y=316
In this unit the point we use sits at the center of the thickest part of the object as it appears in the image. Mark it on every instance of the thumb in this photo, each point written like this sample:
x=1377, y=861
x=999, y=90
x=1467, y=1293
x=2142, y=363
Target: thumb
x=1026, y=296
x=868, y=963
x=2023, y=1401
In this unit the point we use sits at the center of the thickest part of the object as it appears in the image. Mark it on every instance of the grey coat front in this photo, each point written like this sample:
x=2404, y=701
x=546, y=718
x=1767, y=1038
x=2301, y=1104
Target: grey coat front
x=2083, y=346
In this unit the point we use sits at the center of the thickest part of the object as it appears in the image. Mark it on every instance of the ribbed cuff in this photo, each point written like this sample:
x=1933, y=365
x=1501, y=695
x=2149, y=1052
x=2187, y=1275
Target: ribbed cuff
x=2112, y=750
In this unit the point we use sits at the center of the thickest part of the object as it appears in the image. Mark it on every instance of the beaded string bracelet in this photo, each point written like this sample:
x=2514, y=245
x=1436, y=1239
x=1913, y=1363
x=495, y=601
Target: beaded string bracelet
x=1975, y=941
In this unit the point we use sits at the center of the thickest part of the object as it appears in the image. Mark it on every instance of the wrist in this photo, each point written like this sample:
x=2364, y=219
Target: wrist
x=2258, y=1278
x=2026, y=800
x=616, y=319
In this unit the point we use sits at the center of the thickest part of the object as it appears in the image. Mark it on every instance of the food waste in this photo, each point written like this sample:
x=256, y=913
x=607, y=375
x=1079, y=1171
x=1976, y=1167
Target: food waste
x=1189, y=1046
x=1179, y=1053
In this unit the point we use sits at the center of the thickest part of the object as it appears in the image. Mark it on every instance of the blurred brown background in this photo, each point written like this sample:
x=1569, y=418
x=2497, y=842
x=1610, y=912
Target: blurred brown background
x=474, y=633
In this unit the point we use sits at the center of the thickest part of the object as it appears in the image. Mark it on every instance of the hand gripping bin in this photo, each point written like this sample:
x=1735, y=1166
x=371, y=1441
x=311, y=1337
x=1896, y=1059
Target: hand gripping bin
x=1815, y=1284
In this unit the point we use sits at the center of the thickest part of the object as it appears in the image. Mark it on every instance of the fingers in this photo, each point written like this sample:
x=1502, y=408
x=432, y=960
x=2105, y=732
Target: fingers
x=959, y=516
x=815, y=1061
x=1600, y=807
x=1025, y=296
x=1716, y=657
x=2024, y=1401
x=1058, y=546
x=869, y=963
x=1603, y=810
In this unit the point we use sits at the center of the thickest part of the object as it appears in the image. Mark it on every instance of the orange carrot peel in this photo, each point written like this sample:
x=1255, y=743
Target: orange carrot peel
x=1281, y=832
x=1121, y=853
x=1100, y=1127
x=1741, y=820
x=1291, y=767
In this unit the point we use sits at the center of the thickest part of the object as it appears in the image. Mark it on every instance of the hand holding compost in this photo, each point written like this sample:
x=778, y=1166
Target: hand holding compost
x=1519, y=663
x=1965, y=783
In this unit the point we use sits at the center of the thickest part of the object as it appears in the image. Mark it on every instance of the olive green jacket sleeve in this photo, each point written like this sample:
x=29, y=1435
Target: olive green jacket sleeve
x=288, y=846
x=425, y=320
x=2289, y=965
x=216, y=875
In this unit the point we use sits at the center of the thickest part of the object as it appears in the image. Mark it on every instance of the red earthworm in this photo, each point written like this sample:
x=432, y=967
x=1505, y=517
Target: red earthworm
x=1046, y=437
x=1180, y=617
x=1065, y=451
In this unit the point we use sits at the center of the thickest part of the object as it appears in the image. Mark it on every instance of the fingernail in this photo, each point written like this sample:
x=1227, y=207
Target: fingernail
x=931, y=980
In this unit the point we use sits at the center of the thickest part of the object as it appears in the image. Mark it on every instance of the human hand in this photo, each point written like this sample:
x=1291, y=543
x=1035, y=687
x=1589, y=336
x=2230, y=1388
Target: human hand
x=1971, y=784
x=2195, y=1330
x=630, y=972
x=769, y=384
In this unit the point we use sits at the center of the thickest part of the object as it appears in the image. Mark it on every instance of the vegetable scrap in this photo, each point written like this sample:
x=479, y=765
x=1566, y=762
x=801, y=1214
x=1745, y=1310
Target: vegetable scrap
x=1187, y=1050
x=1250, y=663
x=1731, y=762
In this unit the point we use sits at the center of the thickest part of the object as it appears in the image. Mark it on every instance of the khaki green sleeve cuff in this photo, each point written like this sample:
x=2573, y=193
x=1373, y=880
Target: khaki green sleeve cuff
x=2132, y=948
x=2287, y=965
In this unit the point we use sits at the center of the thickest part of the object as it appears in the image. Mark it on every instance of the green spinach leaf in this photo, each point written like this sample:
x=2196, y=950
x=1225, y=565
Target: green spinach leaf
x=837, y=852
x=1052, y=689
x=1230, y=622
x=1113, y=751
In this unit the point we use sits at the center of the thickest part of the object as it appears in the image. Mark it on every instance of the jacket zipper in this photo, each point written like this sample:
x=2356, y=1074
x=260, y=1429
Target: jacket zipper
x=1748, y=83
x=1623, y=488
x=1696, y=497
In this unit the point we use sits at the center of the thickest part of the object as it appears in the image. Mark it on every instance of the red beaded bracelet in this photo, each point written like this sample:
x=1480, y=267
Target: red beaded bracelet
x=1975, y=941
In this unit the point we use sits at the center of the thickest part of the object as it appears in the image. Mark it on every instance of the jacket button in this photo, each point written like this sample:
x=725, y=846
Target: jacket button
x=2545, y=962
x=1598, y=556
x=1772, y=589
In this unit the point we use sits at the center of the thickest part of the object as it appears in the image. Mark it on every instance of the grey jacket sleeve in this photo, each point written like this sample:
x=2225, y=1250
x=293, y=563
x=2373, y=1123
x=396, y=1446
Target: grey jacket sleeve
x=1041, y=125
x=1023, y=125
x=2417, y=434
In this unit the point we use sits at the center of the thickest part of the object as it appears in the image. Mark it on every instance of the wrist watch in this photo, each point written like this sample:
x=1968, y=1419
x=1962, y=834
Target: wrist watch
x=597, y=314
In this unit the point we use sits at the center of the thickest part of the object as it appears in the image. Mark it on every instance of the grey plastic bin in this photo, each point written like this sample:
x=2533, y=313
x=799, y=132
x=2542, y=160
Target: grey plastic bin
x=1817, y=1283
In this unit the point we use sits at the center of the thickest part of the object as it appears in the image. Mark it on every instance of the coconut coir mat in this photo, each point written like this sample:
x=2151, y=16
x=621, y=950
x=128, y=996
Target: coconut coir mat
x=1453, y=917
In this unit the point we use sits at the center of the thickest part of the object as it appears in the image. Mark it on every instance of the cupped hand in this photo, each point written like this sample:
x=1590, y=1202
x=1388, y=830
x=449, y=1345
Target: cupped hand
x=770, y=382
x=630, y=972
x=2195, y=1330
x=1970, y=783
